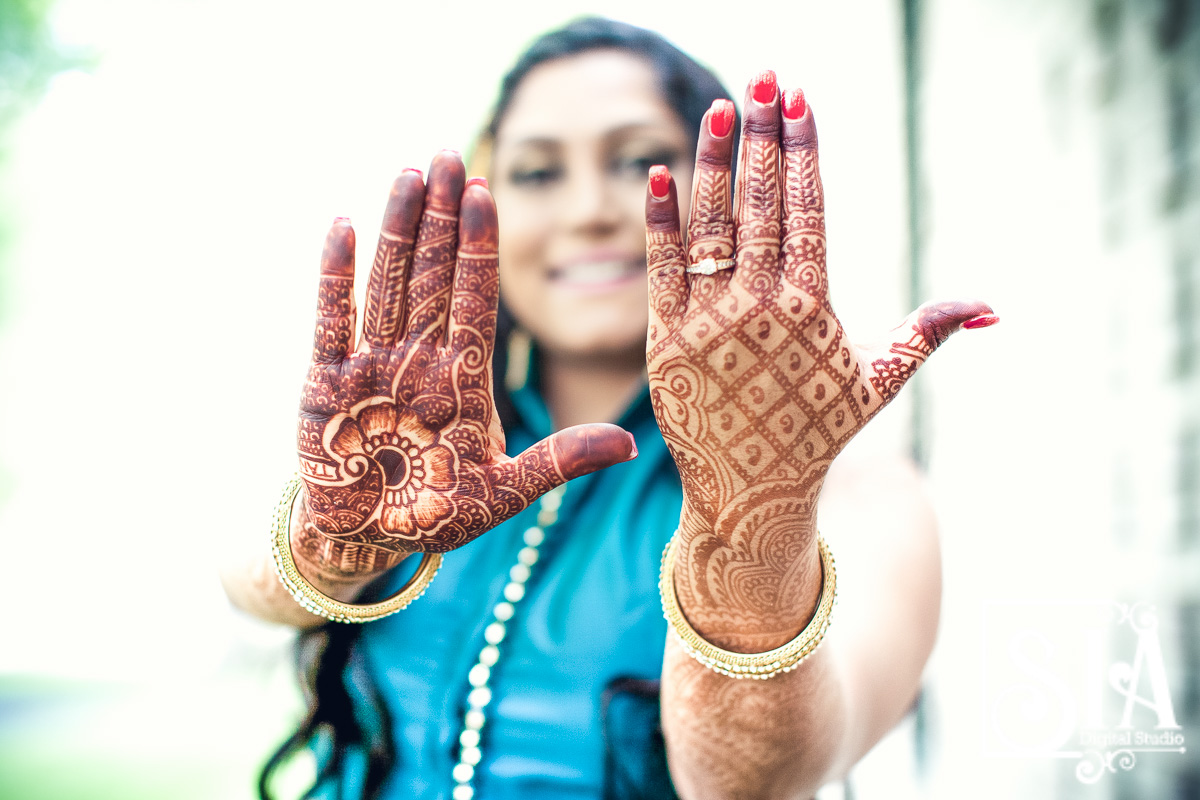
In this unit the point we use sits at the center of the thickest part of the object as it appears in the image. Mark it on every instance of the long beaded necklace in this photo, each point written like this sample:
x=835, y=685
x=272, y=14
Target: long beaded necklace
x=480, y=695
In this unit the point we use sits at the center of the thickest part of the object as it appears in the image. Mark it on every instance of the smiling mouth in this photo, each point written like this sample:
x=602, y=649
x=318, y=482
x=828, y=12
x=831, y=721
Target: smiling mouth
x=599, y=274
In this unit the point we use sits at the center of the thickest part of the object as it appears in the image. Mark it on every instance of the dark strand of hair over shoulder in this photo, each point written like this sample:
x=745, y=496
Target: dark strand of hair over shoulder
x=323, y=653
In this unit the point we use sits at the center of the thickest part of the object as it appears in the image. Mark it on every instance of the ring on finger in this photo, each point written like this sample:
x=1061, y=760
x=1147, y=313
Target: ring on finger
x=709, y=266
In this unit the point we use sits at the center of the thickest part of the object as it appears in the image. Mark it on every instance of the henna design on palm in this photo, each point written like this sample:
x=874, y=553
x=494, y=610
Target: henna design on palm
x=400, y=446
x=756, y=385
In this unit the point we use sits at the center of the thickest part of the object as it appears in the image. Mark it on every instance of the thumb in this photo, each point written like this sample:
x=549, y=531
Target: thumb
x=562, y=456
x=915, y=339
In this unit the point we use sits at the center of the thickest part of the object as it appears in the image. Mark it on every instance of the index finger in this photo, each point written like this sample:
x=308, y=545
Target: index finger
x=476, y=278
x=803, y=198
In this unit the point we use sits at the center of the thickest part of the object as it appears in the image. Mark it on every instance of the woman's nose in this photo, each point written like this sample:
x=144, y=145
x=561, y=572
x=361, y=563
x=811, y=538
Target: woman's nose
x=590, y=204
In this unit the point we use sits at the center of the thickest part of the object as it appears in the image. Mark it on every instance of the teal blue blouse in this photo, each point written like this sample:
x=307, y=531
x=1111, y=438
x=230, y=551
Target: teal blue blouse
x=591, y=615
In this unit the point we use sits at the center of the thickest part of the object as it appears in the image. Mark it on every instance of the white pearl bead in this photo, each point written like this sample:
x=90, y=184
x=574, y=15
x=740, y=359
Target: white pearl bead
x=478, y=676
x=494, y=633
x=481, y=696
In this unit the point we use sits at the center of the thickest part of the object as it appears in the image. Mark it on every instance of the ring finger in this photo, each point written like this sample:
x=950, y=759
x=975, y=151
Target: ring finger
x=710, y=221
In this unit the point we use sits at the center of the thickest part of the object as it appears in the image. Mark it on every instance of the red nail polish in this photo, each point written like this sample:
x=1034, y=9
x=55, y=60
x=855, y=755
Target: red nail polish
x=720, y=118
x=477, y=182
x=660, y=181
x=765, y=88
x=982, y=321
x=414, y=169
x=345, y=220
x=793, y=104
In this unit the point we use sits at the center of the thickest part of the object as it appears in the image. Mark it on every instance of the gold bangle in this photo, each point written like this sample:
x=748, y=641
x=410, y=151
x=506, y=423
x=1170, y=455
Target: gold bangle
x=759, y=666
x=321, y=604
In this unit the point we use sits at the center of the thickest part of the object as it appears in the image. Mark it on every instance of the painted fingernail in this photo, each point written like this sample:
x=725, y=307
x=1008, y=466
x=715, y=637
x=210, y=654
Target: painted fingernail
x=477, y=182
x=660, y=181
x=720, y=118
x=765, y=90
x=341, y=220
x=414, y=169
x=982, y=321
x=632, y=447
x=793, y=104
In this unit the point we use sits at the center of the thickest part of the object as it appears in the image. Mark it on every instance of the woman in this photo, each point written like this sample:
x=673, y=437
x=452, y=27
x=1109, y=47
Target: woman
x=494, y=683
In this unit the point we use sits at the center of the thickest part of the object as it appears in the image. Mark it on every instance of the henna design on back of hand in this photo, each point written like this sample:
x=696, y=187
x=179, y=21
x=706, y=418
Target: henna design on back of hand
x=756, y=385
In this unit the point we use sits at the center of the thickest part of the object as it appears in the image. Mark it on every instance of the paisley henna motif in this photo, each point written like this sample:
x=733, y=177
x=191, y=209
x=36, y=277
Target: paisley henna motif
x=399, y=442
x=755, y=384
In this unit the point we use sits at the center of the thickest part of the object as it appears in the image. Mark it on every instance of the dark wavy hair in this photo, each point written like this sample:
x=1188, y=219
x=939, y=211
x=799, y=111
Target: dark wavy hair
x=323, y=654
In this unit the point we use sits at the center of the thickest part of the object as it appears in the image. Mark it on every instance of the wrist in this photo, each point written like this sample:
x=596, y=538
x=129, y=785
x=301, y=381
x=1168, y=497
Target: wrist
x=334, y=567
x=749, y=580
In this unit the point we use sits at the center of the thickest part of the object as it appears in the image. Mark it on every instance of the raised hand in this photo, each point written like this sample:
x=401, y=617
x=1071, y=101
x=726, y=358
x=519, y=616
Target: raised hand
x=400, y=445
x=756, y=385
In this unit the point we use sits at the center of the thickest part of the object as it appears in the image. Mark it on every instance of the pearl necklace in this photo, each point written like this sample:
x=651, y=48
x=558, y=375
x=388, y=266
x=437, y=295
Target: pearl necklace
x=480, y=696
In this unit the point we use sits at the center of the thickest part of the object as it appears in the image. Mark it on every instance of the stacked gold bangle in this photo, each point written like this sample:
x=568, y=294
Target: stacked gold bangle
x=322, y=605
x=759, y=666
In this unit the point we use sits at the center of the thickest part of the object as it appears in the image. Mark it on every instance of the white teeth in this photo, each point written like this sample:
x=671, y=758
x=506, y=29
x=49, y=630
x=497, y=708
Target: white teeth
x=596, y=272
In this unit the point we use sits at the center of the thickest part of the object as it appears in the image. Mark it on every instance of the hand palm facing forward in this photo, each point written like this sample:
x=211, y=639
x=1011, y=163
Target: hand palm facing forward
x=400, y=446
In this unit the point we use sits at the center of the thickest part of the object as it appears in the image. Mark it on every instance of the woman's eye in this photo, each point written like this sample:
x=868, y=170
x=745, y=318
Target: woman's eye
x=535, y=176
x=637, y=166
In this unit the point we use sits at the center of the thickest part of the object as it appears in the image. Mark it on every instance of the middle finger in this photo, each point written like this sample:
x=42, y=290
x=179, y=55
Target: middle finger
x=429, y=287
x=757, y=206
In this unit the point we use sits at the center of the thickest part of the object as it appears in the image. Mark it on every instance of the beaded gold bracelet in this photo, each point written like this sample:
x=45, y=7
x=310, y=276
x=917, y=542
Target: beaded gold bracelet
x=759, y=666
x=321, y=604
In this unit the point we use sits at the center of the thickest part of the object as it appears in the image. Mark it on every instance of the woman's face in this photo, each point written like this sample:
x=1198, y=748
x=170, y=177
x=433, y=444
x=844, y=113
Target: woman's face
x=569, y=174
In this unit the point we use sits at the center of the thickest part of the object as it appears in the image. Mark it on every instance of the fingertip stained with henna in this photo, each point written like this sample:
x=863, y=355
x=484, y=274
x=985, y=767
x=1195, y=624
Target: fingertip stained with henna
x=660, y=182
x=765, y=88
x=982, y=321
x=720, y=118
x=794, y=105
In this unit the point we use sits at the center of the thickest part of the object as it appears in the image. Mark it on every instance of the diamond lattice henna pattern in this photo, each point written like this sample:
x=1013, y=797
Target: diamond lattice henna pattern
x=756, y=385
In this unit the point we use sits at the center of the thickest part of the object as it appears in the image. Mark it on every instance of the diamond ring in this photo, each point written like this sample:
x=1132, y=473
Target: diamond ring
x=709, y=266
